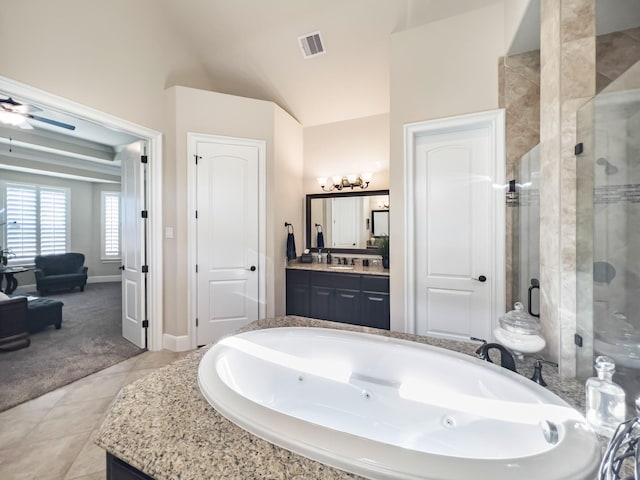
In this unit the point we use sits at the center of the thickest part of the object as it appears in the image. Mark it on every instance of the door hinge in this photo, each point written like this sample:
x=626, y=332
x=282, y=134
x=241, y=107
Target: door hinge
x=145, y=269
x=196, y=268
x=197, y=322
x=579, y=148
x=577, y=339
x=144, y=213
x=196, y=214
x=144, y=158
x=145, y=324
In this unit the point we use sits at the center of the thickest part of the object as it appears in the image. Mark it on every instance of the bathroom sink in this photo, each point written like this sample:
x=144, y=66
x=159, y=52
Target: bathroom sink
x=340, y=267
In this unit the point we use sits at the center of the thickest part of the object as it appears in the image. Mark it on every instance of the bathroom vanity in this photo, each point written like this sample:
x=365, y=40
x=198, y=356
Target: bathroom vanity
x=359, y=296
x=162, y=427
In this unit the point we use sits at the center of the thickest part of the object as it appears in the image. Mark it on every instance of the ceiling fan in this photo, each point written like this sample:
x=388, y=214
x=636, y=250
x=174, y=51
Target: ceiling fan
x=16, y=113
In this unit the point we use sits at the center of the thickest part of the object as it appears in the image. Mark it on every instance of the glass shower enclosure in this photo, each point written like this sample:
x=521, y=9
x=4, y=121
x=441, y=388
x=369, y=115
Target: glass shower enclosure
x=525, y=201
x=608, y=232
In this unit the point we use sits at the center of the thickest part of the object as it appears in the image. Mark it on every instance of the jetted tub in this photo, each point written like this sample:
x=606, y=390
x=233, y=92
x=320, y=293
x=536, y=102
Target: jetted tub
x=385, y=408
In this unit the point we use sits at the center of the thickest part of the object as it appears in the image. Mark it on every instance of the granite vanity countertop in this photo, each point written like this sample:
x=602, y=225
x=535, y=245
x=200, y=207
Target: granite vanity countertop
x=323, y=267
x=162, y=425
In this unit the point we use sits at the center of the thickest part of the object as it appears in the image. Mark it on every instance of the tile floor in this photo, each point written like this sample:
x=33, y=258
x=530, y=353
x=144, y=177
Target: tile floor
x=51, y=437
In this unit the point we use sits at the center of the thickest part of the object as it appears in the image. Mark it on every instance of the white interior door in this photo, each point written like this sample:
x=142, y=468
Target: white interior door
x=133, y=244
x=346, y=222
x=227, y=237
x=454, y=224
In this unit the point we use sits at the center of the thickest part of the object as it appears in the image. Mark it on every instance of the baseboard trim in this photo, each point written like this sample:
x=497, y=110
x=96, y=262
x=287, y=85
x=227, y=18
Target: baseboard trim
x=104, y=279
x=175, y=343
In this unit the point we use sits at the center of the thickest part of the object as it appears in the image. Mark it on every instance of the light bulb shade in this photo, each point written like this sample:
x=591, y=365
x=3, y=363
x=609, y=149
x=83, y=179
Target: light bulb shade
x=322, y=181
x=367, y=176
x=337, y=179
x=352, y=178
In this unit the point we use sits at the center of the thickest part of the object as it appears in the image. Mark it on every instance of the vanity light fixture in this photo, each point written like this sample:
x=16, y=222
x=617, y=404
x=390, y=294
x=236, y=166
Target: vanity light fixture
x=348, y=181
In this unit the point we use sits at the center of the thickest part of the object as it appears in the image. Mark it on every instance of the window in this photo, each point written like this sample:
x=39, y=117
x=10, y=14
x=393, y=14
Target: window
x=37, y=221
x=110, y=225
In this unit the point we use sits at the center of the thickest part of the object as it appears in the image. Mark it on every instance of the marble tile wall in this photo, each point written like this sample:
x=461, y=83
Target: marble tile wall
x=567, y=62
x=616, y=52
x=519, y=77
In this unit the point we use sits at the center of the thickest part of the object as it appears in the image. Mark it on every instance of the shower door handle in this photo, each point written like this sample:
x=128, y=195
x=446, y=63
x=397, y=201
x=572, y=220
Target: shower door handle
x=535, y=283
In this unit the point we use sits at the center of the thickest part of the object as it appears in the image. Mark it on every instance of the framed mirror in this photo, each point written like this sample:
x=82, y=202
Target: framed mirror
x=347, y=222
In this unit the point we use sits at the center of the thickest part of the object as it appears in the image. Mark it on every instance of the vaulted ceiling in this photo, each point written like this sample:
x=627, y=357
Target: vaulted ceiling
x=250, y=48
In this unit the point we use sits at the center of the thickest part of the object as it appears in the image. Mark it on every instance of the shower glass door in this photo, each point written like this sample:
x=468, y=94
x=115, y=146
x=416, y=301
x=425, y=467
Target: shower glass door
x=526, y=231
x=608, y=234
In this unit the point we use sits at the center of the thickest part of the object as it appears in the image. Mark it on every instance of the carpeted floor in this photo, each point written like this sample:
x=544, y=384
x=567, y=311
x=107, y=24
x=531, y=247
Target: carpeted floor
x=90, y=340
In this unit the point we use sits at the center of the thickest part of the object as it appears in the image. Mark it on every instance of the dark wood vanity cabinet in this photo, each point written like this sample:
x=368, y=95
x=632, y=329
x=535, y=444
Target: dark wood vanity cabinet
x=120, y=470
x=339, y=297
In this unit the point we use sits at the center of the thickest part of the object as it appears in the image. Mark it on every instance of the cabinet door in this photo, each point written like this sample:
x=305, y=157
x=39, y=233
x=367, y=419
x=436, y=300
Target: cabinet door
x=375, y=310
x=298, y=300
x=321, y=304
x=346, y=306
x=298, y=292
x=120, y=470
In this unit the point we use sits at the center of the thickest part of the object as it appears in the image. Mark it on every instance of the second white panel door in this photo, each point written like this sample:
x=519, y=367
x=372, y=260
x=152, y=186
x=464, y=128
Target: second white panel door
x=454, y=227
x=227, y=238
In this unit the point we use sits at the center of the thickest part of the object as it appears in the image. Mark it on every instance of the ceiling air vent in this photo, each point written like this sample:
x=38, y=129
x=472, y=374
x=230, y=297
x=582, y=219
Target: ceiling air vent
x=311, y=44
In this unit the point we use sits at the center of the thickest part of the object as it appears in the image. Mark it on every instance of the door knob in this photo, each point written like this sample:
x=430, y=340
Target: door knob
x=121, y=267
x=480, y=279
x=253, y=268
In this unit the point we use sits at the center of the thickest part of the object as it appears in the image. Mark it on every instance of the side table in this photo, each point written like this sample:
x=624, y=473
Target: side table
x=12, y=282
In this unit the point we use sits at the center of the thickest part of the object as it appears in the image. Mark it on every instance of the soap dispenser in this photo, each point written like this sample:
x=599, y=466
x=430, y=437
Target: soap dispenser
x=605, y=403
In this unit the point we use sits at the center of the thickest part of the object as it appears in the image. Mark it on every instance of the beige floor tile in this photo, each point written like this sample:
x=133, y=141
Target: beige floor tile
x=43, y=460
x=49, y=430
x=157, y=359
x=90, y=461
x=36, y=409
x=13, y=431
x=79, y=408
x=121, y=367
x=94, y=388
x=92, y=476
x=136, y=374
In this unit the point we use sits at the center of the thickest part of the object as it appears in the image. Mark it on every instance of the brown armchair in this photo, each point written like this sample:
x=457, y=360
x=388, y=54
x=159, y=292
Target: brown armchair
x=13, y=324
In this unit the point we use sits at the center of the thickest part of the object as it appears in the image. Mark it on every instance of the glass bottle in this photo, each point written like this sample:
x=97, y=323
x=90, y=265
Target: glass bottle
x=605, y=406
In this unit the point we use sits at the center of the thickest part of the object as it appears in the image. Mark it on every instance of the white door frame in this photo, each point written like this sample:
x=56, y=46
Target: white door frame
x=154, y=141
x=493, y=121
x=192, y=281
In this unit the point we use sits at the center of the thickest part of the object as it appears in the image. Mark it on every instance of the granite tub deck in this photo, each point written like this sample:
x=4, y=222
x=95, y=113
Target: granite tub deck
x=163, y=426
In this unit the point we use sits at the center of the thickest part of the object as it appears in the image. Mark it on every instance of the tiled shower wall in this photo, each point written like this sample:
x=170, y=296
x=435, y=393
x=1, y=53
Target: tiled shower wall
x=520, y=96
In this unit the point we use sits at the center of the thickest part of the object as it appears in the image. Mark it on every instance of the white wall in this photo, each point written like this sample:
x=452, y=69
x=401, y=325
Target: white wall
x=352, y=146
x=116, y=56
x=441, y=69
x=200, y=111
x=287, y=196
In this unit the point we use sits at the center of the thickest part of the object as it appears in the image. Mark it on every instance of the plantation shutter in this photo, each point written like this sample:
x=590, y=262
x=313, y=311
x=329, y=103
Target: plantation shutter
x=22, y=236
x=53, y=221
x=37, y=221
x=111, y=225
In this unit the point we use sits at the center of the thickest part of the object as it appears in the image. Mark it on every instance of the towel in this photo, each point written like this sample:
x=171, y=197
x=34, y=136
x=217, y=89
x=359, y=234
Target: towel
x=320, y=240
x=291, y=247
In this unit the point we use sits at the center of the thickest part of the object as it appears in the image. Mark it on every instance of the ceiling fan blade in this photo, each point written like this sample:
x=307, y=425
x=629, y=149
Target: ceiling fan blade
x=51, y=122
x=14, y=106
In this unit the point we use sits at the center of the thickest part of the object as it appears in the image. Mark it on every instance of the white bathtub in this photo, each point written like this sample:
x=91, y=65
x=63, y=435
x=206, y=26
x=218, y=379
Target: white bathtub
x=387, y=408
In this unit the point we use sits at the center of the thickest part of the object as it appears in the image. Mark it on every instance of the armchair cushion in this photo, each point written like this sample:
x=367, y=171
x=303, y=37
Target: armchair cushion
x=13, y=324
x=60, y=272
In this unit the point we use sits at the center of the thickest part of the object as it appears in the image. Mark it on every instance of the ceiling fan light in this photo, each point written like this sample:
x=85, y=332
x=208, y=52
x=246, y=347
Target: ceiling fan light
x=11, y=118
